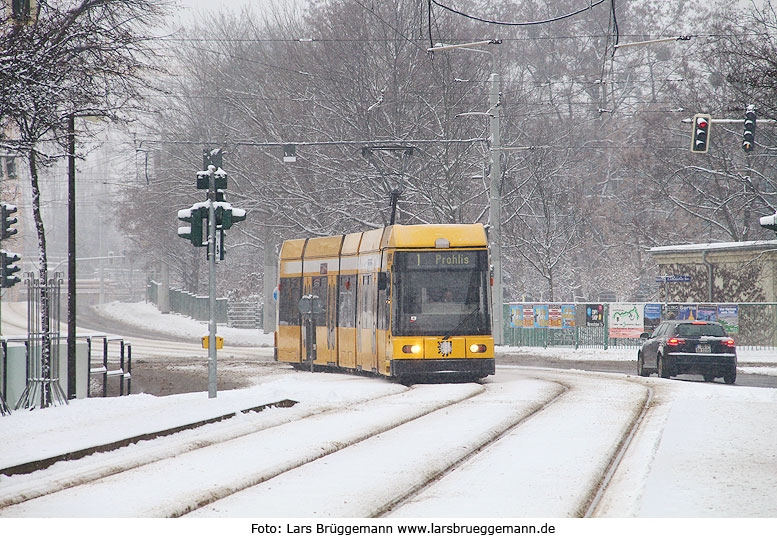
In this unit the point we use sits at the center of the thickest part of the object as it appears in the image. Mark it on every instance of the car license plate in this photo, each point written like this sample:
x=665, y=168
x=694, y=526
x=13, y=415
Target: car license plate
x=703, y=348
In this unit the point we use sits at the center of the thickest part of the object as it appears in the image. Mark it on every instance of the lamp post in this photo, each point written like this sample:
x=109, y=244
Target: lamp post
x=70, y=391
x=495, y=173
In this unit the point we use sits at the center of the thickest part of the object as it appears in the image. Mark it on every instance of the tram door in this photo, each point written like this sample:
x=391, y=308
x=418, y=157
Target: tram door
x=331, y=321
x=305, y=329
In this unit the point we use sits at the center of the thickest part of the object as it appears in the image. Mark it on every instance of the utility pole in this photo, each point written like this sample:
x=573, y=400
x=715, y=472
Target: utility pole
x=495, y=197
x=495, y=209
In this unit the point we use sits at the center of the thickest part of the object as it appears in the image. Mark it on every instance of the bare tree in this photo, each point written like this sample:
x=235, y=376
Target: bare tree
x=80, y=57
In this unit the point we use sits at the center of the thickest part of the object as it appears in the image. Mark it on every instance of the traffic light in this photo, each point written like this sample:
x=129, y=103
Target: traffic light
x=769, y=222
x=194, y=216
x=203, y=180
x=748, y=135
x=226, y=215
x=8, y=269
x=6, y=211
x=219, y=179
x=701, y=134
x=214, y=157
x=289, y=153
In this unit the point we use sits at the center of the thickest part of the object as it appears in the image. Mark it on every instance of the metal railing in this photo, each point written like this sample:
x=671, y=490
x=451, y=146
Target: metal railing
x=109, y=368
x=109, y=365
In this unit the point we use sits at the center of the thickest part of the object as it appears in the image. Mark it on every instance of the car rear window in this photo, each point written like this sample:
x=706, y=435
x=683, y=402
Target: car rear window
x=690, y=330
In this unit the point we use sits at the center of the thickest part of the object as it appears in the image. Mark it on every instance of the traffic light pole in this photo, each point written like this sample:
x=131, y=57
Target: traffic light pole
x=212, y=379
x=221, y=215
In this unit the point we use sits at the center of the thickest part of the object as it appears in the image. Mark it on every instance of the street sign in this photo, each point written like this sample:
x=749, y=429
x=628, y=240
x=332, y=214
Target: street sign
x=671, y=279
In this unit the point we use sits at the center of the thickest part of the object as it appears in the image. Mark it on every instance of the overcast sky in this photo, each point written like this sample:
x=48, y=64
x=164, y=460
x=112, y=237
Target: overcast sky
x=217, y=4
x=235, y=5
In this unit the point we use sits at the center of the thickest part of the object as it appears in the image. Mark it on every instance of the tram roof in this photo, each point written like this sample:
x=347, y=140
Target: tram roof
x=395, y=236
x=428, y=235
x=292, y=249
x=324, y=246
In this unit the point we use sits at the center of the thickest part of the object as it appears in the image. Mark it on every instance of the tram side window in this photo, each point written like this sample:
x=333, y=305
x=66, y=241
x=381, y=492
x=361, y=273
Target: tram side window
x=290, y=294
x=365, y=304
x=347, y=301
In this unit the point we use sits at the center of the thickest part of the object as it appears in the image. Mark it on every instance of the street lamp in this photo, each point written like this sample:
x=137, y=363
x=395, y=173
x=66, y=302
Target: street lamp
x=70, y=390
x=495, y=198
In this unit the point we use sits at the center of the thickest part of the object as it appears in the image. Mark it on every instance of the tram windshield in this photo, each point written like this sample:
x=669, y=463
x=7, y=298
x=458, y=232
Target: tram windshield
x=441, y=293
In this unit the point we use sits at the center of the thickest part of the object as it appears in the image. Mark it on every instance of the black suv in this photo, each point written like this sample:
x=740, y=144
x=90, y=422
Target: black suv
x=688, y=347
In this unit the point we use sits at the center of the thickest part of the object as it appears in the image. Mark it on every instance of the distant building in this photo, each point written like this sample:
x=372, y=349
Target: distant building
x=717, y=272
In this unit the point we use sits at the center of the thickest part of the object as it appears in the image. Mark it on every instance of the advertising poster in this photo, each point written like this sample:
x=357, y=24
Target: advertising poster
x=528, y=316
x=541, y=316
x=687, y=312
x=626, y=320
x=554, y=315
x=516, y=315
x=594, y=315
x=728, y=316
x=568, y=315
x=672, y=311
x=652, y=316
x=707, y=312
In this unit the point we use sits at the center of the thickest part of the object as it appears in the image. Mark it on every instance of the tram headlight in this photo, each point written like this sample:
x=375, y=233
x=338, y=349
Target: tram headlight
x=414, y=348
x=478, y=348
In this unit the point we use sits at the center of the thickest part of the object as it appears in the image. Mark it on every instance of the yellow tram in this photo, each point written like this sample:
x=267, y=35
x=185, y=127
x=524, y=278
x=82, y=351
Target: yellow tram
x=404, y=301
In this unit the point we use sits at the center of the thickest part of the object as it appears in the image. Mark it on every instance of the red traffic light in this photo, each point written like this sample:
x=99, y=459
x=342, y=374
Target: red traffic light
x=701, y=133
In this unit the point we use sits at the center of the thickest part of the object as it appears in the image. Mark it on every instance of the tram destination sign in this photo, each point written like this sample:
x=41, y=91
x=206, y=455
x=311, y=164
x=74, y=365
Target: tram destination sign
x=458, y=259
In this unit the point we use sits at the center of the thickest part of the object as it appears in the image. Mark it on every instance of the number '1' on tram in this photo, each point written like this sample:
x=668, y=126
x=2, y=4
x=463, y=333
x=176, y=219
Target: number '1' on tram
x=405, y=301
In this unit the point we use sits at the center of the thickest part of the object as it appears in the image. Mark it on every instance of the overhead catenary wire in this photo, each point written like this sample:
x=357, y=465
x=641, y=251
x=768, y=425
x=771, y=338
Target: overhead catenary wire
x=646, y=37
x=588, y=7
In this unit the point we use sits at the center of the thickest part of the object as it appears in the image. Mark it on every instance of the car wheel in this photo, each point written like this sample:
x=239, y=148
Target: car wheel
x=730, y=377
x=663, y=368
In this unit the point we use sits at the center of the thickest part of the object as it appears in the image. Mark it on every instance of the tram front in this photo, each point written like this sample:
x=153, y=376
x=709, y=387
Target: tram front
x=441, y=320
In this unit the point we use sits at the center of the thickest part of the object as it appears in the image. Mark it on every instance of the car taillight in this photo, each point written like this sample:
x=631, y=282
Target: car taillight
x=414, y=348
x=675, y=341
x=729, y=342
x=478, y=348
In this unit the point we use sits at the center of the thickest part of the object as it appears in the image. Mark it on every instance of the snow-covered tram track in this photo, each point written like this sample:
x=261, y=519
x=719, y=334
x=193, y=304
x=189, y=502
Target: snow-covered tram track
x=371, y=477
x=619, y=453
x=202, y=467
x=558, y=463
x=408, y=453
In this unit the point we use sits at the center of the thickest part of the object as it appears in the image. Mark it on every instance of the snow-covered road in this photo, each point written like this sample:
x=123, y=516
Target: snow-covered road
x=530, y=442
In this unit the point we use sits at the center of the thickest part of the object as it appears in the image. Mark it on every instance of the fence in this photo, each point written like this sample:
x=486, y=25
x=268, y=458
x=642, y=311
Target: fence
x=618, y=325
x=187, y=304
x=244, y=314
